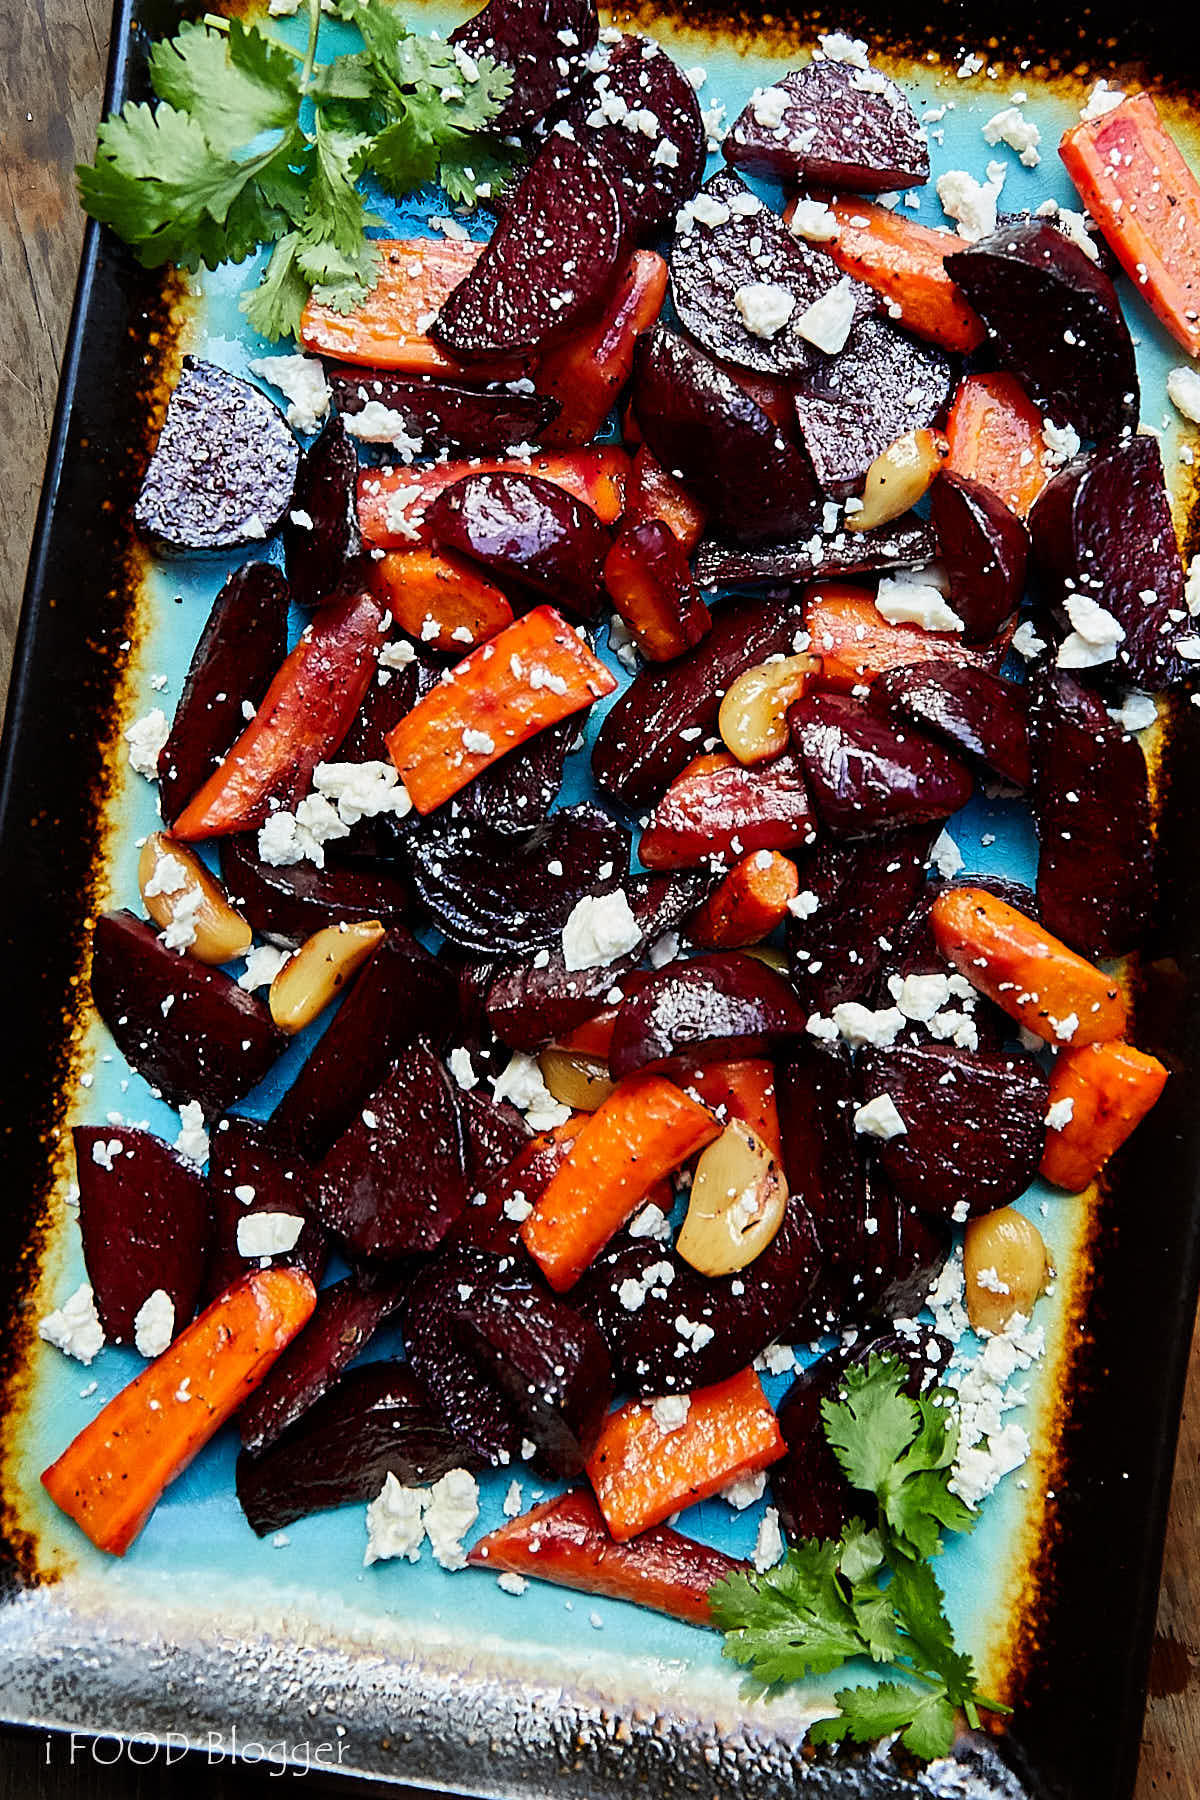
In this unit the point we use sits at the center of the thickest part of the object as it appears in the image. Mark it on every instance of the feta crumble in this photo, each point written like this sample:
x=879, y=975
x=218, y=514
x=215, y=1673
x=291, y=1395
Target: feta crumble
x=768, y=1545
x=813, y=220
x=827, y=322
x=1094, y=637
x=1101, y=100
x=903, y=600
x=521, y=1083
x=1059, y=1116
x=1011, y=127
x=301, y=381
x=670, y=1411
x=154, y=1324
x=970, y=203
x=880, y=1119
x=146, y=737
x=600, y=929
x=263, y=964
x=192, y=1141
x=395, y=1523
x=1183, y=391
x=764, y=308
x=462, y=1068
x=74, y=1327
x=268, y=1233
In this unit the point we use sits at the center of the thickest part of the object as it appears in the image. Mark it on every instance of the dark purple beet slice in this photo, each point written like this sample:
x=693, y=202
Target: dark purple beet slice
x=1091, y=806
x=513, y=795
x=395, y=1180
x=549, y=264
x=1102, y=526
x=240, y=650
x=704, y=1010
x=835, y=130
x=505, y=897
x=530, y=1005
x=977, y=713
x=291, y=902
x=506, y=1362
x=493, y=1134
x=710, y=434
x=327, y=495
x=243, y=1159
x=659, y=723
x=852, y=406
x=976, y=1124
x=347, y=1316
x=385, y=704
x=144, y=1217
x=984, y=548
x=863, y=892
x=641, y=76
x=403, y=994
x=866, y=774
x=750, y=246
x=212, y=1042
x=905, y=1252
x=825, y=1172
x=907, y=543
x=526, y=531
x=447, y=415
x=543, y=42
x=1054, y=319
x=487, y=1221
x=378, y=1421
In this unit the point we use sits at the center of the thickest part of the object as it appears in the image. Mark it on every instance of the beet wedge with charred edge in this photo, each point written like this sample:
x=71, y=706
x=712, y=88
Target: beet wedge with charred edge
x=318, y=551
x=984, y=548
x=290, y=901
x=443, y=414
x=832, y=131
x=543, y=42
x=978, y=714
x=857, y=894
x=249, y=1173
x=906, y=543
x=866, y=774
x=704, y=1010
x=638, y=73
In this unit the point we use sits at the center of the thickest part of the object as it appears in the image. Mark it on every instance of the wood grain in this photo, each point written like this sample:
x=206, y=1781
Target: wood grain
x=52, y=55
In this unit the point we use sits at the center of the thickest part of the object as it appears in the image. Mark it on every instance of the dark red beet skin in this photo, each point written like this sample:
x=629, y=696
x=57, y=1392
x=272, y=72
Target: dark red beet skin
x=1091, y=806
x=907, y=543
x=904, y=1250
x=975, y=712
x=213, y=1043
x=486, y=1222
x=825, y=1172
x=647, y=569
x=145, y=1221
x=833, y=132
x=526, y=531
x=326, y=494
x=976, y=1124
x=240, y=649
x=493, y=1134
x=863, y=892
x=244, y=1159
x=705, y=1009
x=447, y=415
x=640, y=74
x=984, y=548
x=378, y=1421
x=513, y=795
x=729, y=812
x=543, y=42
x=1054, y=319
x=292, y=901
x=866, y=774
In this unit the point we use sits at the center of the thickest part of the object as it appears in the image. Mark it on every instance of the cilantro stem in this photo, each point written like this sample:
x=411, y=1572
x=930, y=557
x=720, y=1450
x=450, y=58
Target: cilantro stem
x=310, y=54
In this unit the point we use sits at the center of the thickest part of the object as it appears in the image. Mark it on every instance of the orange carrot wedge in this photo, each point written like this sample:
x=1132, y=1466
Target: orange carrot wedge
x=1031, y=975
x=653, y=494
x=743, y=1090
x=856, y=643
x=489, y=703
x=643, y=1471
x=1111, y=1088
x=905, y=262
x=110, y=1479
x=750, y=902
x=566, y=1541
x=1146, y=201
x=645, y=1128
x=441, y=599
x=586, y=374
x=995, y=436
x=391, y=502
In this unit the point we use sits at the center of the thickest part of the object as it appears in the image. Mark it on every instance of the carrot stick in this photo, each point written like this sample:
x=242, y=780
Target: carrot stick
x=487, y=1219
x=489, y=703
x=995, y=436
x=110, y=1478
x=905, y=262
x=1111, y=1088
x=645, y=1128
x=305, y=714
x=856, y=643
x=748, y=905
x=566, y=1541
x=586, y=374
x=392, y=502
x=742, y=1090
x=1031, y=975
x=643, y=1471
x=649, y=582
x=441, y=599
x=653, y=494
x=1146, y=201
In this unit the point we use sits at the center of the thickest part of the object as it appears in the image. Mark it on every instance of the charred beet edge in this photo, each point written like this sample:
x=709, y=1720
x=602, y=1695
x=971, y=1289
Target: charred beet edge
x=984, y=548
x=641, y=74
x=906, y=543
x=975, y=712
x=249, y=1173
x=866, y=774
x=293, y=901
x=862, y=893
x=445, y=415
x=525, y=531
x=833, y=132
x=704, y=1010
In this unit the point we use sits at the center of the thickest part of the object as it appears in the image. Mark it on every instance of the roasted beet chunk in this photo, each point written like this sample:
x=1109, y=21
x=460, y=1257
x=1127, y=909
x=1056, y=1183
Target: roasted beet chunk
x=543, y=42
x=507, y=1362
x=395, y=1180
x=826, y=1174
x=528, y=531
x=866, y=774
x=852, y=406
x=957, y=1012
x=210, y=1041
x=494, y=1133
x=700, y=423
x=704, y=1010
x=639, y=78
x=974, y=1124
x=827, y=126
x=856, y=896
x=248, y=1174
x=904, y=544
x=1054, y=319
x=980, y=714
x=144, y=1217
x=327, y=498
x=443, y=415
x=728, y=246
x=905, y=1250
x=718, y=808
x=549, y=264
x=1102, y=528
x=240, y=649
x=984, y=547
x=224, y=468
x=293, y=900
x=513, y=795
x=1091, y=804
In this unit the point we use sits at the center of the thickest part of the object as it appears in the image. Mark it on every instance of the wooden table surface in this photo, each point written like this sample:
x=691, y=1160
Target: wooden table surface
x=52, y=55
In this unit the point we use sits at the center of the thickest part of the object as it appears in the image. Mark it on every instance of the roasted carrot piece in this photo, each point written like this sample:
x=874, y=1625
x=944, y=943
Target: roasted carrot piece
x=489, y=704
x=1034, y=977
x=111, y=1477
x=642, y=1471
x=856, y=643
x=748, y=905
x=485, y=1221
x=645, y=1128
x=995, y=435
x=905, y=262
x=440, y=598
x=649, y=582
x=653, y=494
x=1146, y=201
x=391, y=502
x=304, y=715
x=1111, y=1088
x=743, y=1090
x=566, y=1541
x=586, y=374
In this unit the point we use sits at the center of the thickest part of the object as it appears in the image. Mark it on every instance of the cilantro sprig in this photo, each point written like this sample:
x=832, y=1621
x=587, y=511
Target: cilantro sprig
x=252, y=142
x=872, y=1593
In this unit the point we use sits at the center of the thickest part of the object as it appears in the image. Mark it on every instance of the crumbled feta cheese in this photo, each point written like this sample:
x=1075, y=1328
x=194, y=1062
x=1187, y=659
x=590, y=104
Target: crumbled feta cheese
x=375, y=423
x=192, y=1142
x=268, y=1233
x=477, y=743
x=971, y=204
x=74, y=1327
x=903, y=600
x=452, y=1509
x=169, y=877
x=1094, y=638
x=878, y=1118
x=827, y=322
x=970, y=65
x=837, y=46
x=1073, y=225
x=813, y=220
x=397, y=655
x=1026, y=641
x=600, y=929
x=1137, y=712
x=769, y=105
x=1011, y=127
x=764, y=308
x=650, y=1222
x=154, y=1324
x=288, y=838
x=1101, y=100
x=522, y=1084
x=301, y=381
x=768, y=1545
x=670, y=1411
x=362, y=790
x=179, y=932
x=859, y=1025
x=462, y=1068
x=745, y=1490
x=511, y=1583
x=824, y=1030
x=776, y=1359
x=1183, y=391
x=513, y=1502
x=1065, y=1029
x=396, y=516
x=804, y=904
x=664, y=949
x=921, y=996
x=946, y=857
x=1062, y=443
x=263, y=964
x=146, y=737
x=395, y=1523
x=1059, y=1116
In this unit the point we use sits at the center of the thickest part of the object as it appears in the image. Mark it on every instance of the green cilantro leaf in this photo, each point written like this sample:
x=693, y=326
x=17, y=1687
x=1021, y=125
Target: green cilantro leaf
x=926, y=1721
x=792, y=1621
x=275, y=305
x=235, y=87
